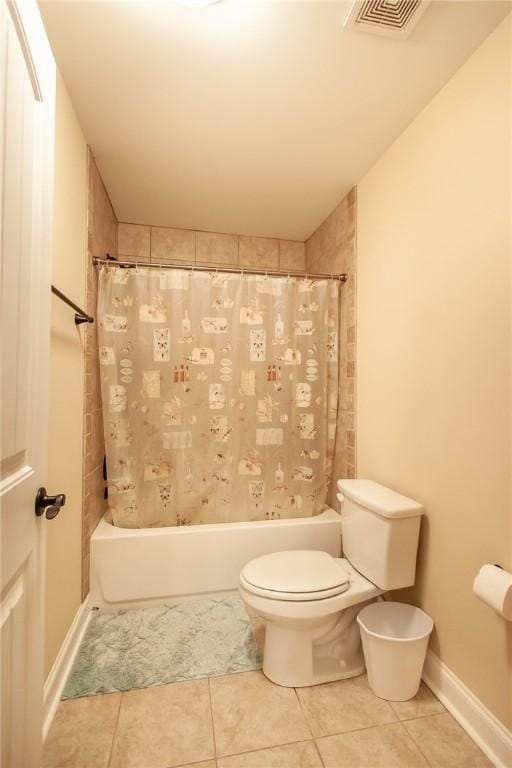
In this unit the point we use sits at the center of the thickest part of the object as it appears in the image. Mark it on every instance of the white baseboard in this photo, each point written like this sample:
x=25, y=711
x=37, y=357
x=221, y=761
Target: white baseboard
x=493, y=738
x=61, y=668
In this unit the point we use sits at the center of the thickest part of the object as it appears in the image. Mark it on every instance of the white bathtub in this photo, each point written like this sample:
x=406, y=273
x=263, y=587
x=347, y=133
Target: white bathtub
x=131, y=567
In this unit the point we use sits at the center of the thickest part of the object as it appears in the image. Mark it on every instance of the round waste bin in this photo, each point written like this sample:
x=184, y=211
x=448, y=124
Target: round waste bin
x=395, y=638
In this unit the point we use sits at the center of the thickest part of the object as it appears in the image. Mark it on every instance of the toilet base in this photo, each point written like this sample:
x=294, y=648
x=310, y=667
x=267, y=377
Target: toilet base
x=296, y=656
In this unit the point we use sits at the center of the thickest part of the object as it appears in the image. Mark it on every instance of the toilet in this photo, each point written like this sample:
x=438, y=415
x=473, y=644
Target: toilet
x=310, y=600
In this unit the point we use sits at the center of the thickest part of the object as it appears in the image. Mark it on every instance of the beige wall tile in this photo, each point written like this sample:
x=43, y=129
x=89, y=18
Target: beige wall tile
x=331, y=249
x=324, y=260
x=292, y=255
x=250, y=712
x=94, y=502
x=102, y=227
x=445, y=744
x=164, y=726
x=102, y=222
x=173, y=245
x=343, y=706
x=381, y=747
x=82, y=732
x=133, y=241
x=94, y=506
x=94, y=440
x=259, y=252
x=213, y=248
x=303, y=754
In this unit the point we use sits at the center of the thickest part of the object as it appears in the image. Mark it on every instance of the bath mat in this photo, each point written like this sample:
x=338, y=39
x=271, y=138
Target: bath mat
x=163, y=644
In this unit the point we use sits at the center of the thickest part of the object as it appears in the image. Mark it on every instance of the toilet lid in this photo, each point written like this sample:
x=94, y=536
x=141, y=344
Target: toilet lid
x=299, y=574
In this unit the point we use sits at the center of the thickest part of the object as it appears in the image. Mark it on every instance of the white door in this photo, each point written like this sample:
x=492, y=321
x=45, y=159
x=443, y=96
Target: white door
x=27, y=106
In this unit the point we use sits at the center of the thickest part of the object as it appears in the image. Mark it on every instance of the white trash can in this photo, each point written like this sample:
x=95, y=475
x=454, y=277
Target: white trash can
x=395, y=638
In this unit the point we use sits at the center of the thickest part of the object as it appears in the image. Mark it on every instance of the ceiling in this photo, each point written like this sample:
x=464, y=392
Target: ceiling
x=247, y=116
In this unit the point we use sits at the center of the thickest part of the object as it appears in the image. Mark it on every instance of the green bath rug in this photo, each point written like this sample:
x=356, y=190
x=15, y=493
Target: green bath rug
x=163, y=644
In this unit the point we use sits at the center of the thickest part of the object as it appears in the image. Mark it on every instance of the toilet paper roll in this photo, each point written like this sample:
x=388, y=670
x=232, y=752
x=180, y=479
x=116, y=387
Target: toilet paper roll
x=493, y=585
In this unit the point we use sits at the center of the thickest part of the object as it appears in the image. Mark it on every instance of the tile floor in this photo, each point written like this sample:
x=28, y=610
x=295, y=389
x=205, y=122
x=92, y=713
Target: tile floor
x=245, y=721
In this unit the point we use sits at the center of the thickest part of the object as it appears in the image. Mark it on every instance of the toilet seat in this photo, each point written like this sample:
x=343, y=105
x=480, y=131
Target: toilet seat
x=296, y=575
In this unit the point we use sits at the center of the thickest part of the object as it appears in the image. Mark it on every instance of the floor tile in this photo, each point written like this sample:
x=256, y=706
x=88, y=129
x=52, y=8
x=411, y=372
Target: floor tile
x=82, y=732
x=384, y=746
x=250, y=712
x=424, y=703
x=202, y=764
x=303, y=754
x=445, y=744
x=345, y=705
x=165, y=726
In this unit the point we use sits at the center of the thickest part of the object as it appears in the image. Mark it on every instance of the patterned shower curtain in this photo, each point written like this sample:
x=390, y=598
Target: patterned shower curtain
x=219, y=394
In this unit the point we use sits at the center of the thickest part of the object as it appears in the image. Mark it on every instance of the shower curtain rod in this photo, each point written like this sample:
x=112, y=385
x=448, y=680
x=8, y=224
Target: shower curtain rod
x=235, y=270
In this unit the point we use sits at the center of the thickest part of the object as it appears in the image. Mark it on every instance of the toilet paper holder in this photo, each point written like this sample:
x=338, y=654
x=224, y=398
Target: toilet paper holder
x=493, y=585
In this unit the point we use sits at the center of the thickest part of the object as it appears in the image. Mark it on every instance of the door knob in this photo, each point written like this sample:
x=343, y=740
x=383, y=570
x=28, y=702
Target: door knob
x=51, y=504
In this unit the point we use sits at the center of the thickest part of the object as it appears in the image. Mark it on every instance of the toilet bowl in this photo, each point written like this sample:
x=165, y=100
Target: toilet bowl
x=311, y=634
x=310, y=600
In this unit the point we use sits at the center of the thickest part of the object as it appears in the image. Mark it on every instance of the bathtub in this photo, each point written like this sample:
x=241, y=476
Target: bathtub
x=133, y=567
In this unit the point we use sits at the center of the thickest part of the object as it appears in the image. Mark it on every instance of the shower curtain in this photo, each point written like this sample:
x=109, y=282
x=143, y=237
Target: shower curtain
x=220, y=394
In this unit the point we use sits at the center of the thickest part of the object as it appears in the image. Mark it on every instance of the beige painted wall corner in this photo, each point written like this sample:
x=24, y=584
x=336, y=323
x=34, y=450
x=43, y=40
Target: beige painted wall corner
x=64, y=533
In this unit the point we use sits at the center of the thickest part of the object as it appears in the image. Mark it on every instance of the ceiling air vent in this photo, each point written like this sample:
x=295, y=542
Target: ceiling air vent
x=392, y=18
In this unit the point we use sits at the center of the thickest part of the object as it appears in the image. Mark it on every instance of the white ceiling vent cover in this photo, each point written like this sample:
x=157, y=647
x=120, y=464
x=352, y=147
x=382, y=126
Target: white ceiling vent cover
x=391, y=18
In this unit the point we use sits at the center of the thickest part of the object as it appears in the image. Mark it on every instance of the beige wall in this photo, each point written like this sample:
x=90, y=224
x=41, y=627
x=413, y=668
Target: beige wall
x=332, y=249
x=433, y=365
x=64, y=533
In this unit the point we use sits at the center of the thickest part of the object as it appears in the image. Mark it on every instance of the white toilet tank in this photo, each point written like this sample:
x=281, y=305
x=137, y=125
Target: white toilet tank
x=380, y=531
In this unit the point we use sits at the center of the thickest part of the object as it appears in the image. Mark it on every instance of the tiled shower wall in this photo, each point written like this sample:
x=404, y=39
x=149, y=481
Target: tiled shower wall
x=332, y=249
x=102, y=239
x=184, y=246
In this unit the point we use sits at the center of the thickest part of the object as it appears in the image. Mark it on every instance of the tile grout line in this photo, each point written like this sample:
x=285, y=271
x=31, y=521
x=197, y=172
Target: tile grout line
x=381, y=725
x=420, y=717
x=261, y=749
x=438, y=714
x=318, y=752
x=309, y=727
x=212, y=721
x=114, y=734
x=416, y=743
x=355, y=730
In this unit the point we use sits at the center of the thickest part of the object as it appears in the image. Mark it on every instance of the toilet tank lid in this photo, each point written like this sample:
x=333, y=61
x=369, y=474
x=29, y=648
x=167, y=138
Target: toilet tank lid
x=380, y=499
